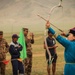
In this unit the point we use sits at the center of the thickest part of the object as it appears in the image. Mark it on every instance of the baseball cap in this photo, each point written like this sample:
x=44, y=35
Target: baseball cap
x=15, y=36
x=1, y=32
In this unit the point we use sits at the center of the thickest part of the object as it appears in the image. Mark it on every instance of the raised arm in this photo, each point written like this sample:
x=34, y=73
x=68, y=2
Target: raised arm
x=63, y=41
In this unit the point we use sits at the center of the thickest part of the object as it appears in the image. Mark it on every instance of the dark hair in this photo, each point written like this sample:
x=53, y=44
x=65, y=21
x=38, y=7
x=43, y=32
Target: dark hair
x=49, y=32
x=25, y=29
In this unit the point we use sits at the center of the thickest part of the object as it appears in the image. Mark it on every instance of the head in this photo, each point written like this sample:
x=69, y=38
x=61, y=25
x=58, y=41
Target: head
x=25, y=30
x=49, y=34
x=1, y=35
x=71, y=34
x=15, y=38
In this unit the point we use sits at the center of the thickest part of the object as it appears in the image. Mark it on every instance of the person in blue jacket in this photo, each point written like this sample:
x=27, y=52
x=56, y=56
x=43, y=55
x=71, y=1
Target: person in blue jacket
x=14, y=51
x=69, y=52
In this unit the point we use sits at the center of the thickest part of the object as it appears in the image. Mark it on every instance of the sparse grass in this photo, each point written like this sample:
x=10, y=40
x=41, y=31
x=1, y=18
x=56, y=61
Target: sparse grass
x=39, y=60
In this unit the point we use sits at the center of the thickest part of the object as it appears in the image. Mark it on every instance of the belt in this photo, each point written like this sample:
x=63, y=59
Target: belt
x=70, y=63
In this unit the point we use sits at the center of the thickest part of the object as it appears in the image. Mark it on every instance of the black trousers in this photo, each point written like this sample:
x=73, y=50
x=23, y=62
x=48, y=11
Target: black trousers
x=17, y=66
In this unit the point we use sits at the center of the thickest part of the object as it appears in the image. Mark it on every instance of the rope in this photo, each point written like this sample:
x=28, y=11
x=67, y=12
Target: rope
x=47, y=46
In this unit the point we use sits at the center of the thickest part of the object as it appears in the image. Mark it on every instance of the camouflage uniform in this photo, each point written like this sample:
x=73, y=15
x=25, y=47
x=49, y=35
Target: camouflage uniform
x=3, y=50
x=28, y=60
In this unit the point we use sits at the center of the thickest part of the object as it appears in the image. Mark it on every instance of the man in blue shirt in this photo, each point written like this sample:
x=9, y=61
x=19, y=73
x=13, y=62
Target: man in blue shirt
x=69, y=52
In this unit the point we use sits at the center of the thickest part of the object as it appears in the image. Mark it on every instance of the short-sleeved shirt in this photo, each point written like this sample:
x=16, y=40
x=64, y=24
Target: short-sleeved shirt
x=51, y=42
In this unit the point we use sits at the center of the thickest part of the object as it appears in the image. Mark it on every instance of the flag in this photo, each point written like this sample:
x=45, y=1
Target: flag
x=5, y=61
x=19, y=59
x=21, y=40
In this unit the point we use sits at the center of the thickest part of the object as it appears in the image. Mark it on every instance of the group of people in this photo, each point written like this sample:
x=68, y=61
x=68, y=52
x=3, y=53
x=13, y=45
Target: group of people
x=25, y=69
x=18, y=67
x=69, y=46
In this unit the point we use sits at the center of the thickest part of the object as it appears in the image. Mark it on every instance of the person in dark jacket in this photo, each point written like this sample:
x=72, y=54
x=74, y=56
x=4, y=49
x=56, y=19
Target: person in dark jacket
x=14, y=50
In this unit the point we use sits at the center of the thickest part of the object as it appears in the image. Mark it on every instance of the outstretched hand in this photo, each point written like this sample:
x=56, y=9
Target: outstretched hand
x=63, y=34
x=47, y=25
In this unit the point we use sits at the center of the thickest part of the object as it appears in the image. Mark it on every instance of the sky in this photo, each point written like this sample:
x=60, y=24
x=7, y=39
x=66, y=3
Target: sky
x=16, y=14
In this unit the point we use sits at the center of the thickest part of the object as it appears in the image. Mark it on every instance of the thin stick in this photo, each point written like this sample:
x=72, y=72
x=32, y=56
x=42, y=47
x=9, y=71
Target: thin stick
x=50, y=23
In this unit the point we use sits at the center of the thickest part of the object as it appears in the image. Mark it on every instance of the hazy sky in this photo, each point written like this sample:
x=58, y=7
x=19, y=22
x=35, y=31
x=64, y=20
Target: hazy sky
x=15, y=14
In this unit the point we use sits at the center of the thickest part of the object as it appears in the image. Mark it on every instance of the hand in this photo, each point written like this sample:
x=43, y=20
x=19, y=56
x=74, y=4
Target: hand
x=32, y=35
x=55, y=46
x=47, y=24
x=19, y=46
x=63, y=34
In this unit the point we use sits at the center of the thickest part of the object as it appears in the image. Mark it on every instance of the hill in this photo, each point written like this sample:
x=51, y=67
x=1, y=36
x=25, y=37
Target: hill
x=15, y=14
